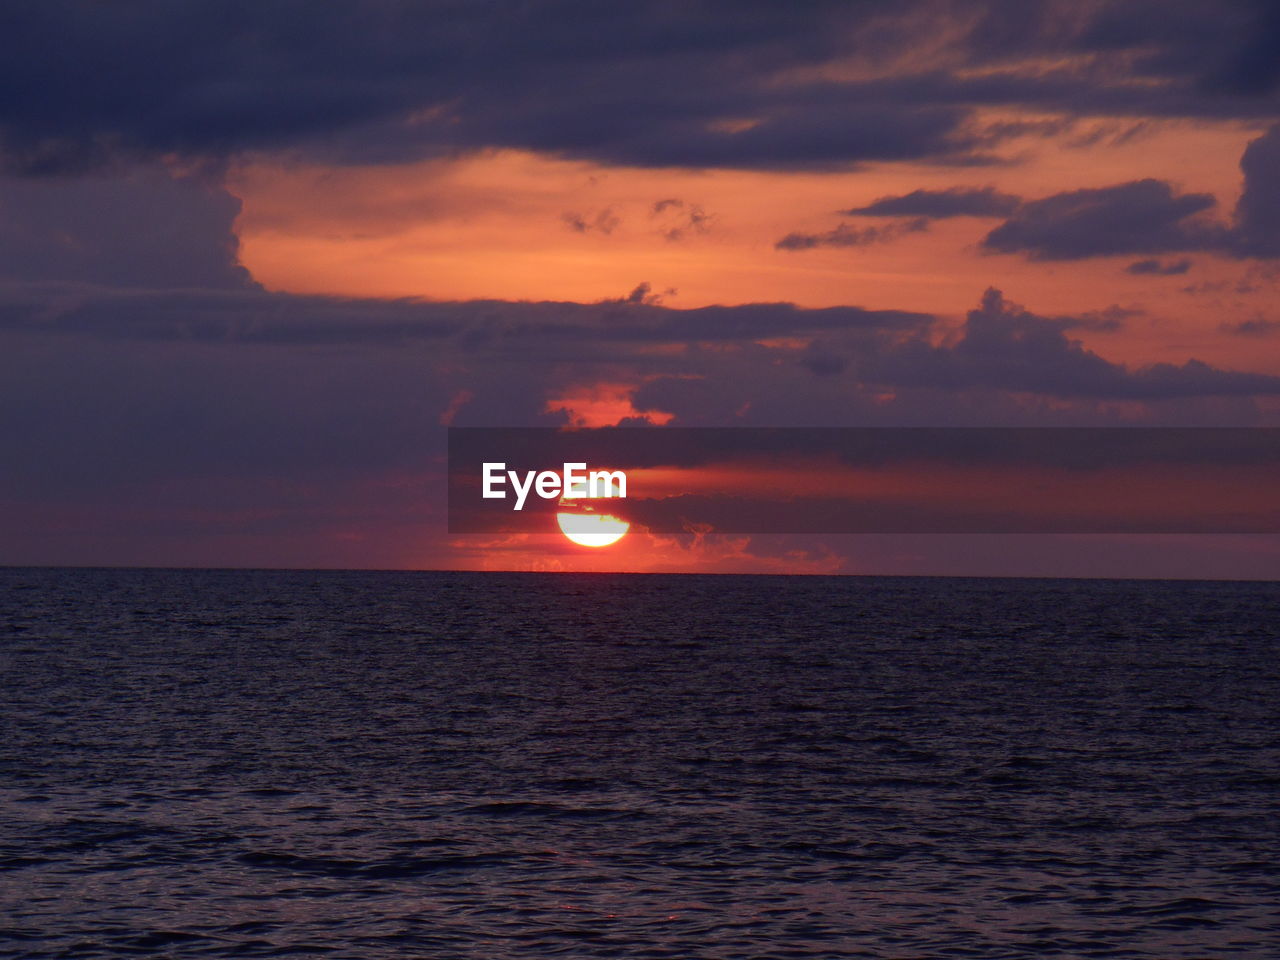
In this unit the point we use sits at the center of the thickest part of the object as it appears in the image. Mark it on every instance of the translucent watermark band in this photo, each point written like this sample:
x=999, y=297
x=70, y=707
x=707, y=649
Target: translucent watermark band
x=872, y=480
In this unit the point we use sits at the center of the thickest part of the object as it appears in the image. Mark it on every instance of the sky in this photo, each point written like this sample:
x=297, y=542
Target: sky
x=256, y=257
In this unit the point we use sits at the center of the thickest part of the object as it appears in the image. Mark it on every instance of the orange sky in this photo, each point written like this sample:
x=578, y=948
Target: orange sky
x=498, y=225
x=248, y=283
x=513, y=225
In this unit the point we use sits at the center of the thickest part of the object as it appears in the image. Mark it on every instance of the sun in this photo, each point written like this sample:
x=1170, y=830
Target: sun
x=592, y=529
x=580, y=523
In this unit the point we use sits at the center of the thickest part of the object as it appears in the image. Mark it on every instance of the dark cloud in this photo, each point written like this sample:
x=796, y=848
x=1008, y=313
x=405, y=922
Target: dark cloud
x=760, y=357
x=1255, y=327
x=1139, y=217
x=1108, y=320
x=1159, y=268
x=642, y=293
x=519, y=351
x=1250, y=67
x=1150, y=216
x=1257, y=229
x=937, y=204
x=647, y=83
x=1144, y=216
x=1005, y=365
x=848, y=236
x=700, y=83
x=824, y=359
x=830, y=133
x=1195, y=51
x=147, y=229
x=1006, y=347
x=212, y=413
x=534, y=330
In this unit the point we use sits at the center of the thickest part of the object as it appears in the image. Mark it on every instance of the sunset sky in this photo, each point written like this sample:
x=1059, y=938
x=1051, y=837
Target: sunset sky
x=256, y=257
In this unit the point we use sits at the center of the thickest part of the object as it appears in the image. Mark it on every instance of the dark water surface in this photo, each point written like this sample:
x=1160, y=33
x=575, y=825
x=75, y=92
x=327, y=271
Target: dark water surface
x=377, y=765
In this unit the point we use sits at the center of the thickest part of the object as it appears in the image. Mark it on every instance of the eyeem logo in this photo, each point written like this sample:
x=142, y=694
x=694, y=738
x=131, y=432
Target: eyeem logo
x=573, y=482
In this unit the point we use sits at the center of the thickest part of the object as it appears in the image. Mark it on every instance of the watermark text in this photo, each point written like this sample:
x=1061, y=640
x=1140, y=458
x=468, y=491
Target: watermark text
x=574, y=482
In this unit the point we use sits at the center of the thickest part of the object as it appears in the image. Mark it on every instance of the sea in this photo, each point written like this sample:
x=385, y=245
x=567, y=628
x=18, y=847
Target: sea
x=368, y=765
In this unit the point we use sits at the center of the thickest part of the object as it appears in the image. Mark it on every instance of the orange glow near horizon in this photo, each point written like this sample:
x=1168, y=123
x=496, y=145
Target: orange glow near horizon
x=639, y=552
x=1135, y=492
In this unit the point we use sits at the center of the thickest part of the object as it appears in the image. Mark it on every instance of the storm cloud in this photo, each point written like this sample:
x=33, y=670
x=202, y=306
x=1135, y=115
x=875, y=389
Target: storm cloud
x=142, y=229
x=702, y=83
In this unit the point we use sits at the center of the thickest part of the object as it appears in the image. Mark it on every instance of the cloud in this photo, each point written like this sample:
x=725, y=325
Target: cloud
x=648, y=84
x=1108, y=320
x=678, y=219
x=1005, y=346
x=534, y=330
x=605, y=221
x=938, y=204
x=1159, y=268
x=169, y=423
x=140, y=366
x=1139, y=217
x=1150, y=216
x=848, y=236
x=642, y=293
x=145, y=229
x=762, y=358
x=116, y=386
x=1005, y=365
x=1255, y=327
x=1143, y=216
x=704, y=83
x=1257, y=230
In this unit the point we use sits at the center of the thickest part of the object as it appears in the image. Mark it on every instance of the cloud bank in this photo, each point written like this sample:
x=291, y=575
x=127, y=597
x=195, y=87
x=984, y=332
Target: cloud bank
x=706, y=83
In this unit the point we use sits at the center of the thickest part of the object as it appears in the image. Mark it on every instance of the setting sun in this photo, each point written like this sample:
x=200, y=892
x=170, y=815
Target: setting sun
x=592, y=529
x=580, y=523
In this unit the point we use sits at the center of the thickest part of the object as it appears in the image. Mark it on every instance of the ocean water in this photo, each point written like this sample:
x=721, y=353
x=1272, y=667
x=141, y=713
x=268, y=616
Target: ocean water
x=439, y=765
